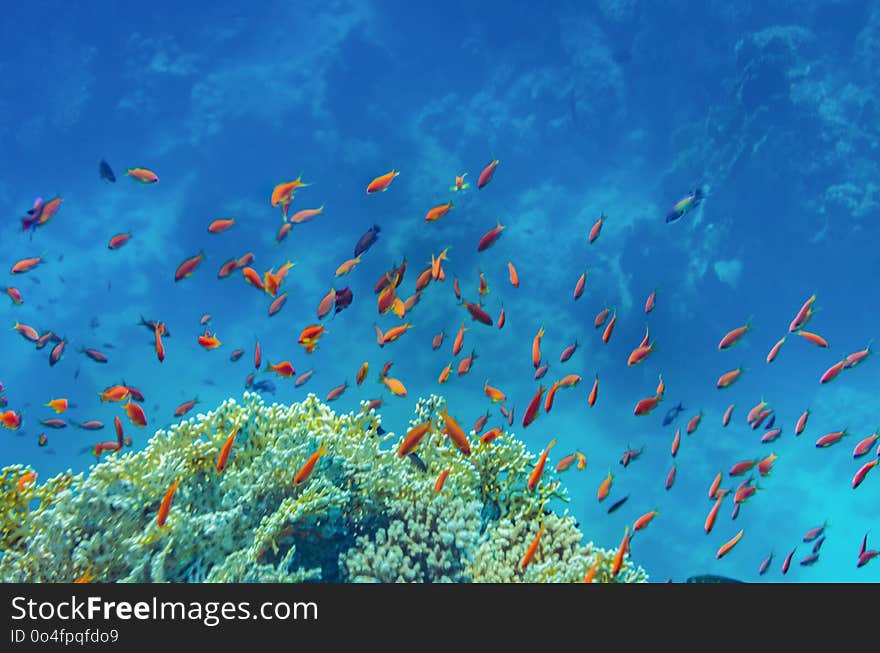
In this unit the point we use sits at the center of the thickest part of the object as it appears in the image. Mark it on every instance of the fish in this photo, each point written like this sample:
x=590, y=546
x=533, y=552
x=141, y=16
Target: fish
x=185, y=269
x=381, y=183
x=106, y=172
x=367, y=240
x=487, y=173
x=143, y=175
x=672, y=413
x=532, y=548
x=490, y=237
x=306, y=470
x=617, y=504
x=165, y=506
x=596, y=229
x=685, y=205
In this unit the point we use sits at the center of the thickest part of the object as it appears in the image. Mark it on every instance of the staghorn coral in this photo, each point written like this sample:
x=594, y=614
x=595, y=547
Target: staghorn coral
x=364, y=514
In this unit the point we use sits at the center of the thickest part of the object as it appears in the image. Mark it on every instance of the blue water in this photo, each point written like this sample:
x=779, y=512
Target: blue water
x=616, y=107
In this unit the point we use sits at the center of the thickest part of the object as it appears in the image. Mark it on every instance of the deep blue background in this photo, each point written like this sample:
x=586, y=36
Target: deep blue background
x=616, y=107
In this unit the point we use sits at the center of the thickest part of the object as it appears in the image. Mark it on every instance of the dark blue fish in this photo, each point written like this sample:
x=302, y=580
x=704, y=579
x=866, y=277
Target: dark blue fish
x=343, y=298
x=617, y=504
x=818, y=544
x=106, y=172
x=366, y=241
x=415, y=460
x=671, y=414
x=264, y=386
x=770, y=422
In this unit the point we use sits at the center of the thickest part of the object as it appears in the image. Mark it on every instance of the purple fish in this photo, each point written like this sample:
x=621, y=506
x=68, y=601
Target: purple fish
x=91, y=425
x=366, y=241
x=343, y=298
x=54, y=423
x=57, y=352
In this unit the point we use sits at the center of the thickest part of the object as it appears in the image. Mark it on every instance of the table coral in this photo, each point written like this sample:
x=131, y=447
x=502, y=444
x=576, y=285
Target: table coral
x=364, y=515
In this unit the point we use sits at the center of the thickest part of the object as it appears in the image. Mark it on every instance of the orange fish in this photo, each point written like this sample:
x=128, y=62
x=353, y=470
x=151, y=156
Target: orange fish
x=305, y=215
x=10, y=420
x=284, y=368
x=533, y=547
x=594, y=392
x=58, y=405
x=424, y=279
x=336, y=392
x=458, y=343
x=115, y=393
x=459, y=183
x=535, y=476
x=283, y=192
x=135, y=413
x=381, y=183
x=725, y=548
x=694, y=422
x=726, y=379
x=347, y=266
x=219, y=226
x=306, y=470
x=395, y=332
x=26, y=265
x=734, y=336
x=639, y=354
x=621, y=553
x=605, y=487
x=185, y=269
x=645, y=406
x=209, y=340
x=609, y=328
x=661, y=386
x=165, y=506
x=802, y=422
x=310, y=335
x=438, y=212
x=596, y=229
x=464, y=366
x=591, y=574
x=502, y=318
x=253, y=278
x=444, y=375
x=551, y=395
x=815, y=338
x=494, y=393
x=455, y=433
x=643, y=521
x=566, y=462
x=28, y=478
x=396, y=387
x=326, y=304
x=514, y=277
x=225, y=449
x=413, y=438
x=490, y=435
x=142, y=175
x=441, y=480
x=774, y=352
x=436, y=264
x=713, y=513
x=362, y=372
x=536, y=348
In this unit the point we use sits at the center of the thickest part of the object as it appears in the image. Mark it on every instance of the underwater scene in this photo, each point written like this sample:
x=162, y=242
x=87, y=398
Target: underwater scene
x=384, y=291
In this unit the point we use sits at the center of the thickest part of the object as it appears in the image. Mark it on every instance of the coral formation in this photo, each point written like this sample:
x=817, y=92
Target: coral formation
x=363, y=515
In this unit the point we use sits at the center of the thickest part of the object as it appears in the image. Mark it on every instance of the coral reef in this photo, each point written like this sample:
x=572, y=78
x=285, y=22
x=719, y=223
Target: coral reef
x=363, y=515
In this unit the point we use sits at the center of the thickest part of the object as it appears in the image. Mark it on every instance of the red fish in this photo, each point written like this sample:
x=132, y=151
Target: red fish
x=831, y=373
x=490, y=237
x=185, y=269
x=734, y=336
x=646, y=405
x=609, y=328
x=185, y=407
x=694, y=422
x=865, y=445
x=438, y=212
x=579, y=286
x=596, y=229
x=487, y=174
x=534, y=407
x=863, y=472
x=478, y=313
x=306, y=470
x=651, y=301
x=533, y=547
x=219, y=226
x=118, y=240
x=831, y=438
x=601, y=316
x=144, y=176
x=670, y=478
x=774, y=352
x=728, y=378
x=726, y=547
x=568, y=352
x=803, y=315
x=594, y=392
x=165, y=506
x=135, y=414
x=535, y=476
x=26, y=265
x=814, y=338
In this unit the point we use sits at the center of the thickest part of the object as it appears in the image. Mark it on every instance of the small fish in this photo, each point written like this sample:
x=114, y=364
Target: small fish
x=185, y=269
x=490, y=237
x=535, y=476
x=143, y=175
x=223, y=458
x=105, y=172
x=367, y=240
x=685, y=205
x=382, y=182
x=596, y=229
x=487, y=173
x=306, y=470
x=165, y=506
x=671, y=414
x=617, y=504
x=727, y=546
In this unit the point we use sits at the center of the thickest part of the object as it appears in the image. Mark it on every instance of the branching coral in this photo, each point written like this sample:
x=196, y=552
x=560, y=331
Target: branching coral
x=364, y=513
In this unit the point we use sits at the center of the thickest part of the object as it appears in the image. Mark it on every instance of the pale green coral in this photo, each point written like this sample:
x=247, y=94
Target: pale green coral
x=364, y=514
